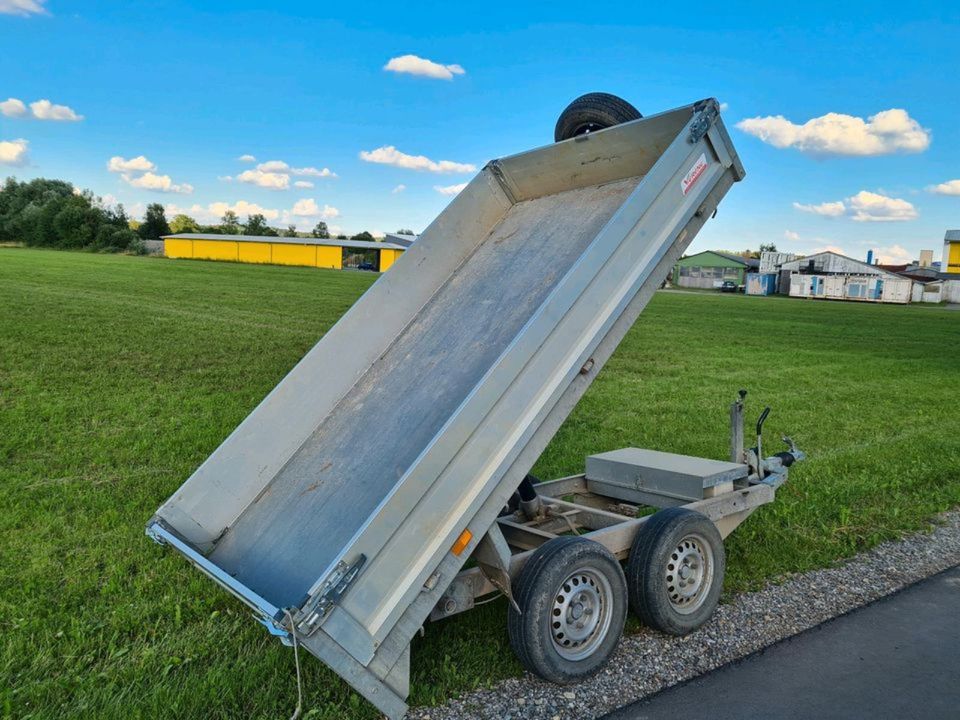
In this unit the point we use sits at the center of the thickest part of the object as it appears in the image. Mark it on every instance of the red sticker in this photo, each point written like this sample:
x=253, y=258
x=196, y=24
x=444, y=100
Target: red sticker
x=690, y=179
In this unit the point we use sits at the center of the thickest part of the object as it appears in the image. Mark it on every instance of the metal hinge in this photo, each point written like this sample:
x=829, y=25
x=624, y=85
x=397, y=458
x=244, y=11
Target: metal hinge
x=315, y=611
x=707, y=113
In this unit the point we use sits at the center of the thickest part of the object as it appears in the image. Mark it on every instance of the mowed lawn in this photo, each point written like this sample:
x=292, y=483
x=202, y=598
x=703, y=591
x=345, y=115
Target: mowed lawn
x=119, y=375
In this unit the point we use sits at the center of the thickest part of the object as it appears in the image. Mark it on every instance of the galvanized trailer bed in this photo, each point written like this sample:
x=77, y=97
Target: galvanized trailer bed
x=350, y=498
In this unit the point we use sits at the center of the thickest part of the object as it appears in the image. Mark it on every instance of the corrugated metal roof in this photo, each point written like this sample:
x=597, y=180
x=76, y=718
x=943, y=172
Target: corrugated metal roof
x=801, y=264
x=352, y=244
x=952, y=236
x=749, y=262
x=738, y=259
x=401, y=239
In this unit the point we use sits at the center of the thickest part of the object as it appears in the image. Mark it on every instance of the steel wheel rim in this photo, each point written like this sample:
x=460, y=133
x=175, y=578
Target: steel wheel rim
x=580, y=614
x=688, y=575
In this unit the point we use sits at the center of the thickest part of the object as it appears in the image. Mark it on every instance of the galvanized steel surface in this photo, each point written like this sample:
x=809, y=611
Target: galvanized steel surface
x=391, y=438
x=360, y=452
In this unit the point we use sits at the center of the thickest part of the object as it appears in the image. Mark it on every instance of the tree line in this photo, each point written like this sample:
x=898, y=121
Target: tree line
x=53, y=213
x=229, y=224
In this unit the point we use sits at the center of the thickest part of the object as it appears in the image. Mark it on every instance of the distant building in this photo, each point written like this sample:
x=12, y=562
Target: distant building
x=832, y=276
x=767, y=280
x=770, y=261
x=950, y=267
x=950, y=263
x=708, y=269
x=269, y=250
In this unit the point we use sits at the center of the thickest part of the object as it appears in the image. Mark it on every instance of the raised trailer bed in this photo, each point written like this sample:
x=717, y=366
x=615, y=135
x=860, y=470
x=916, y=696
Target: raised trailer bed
x=343, y=508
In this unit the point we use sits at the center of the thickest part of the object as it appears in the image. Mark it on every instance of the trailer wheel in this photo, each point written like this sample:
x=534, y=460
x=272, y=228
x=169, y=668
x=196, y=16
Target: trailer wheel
x=592, y=112
x=572, y=597
x=675, y=571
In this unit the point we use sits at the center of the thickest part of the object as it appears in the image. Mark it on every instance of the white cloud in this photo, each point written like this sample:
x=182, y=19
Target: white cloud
x=413, y=65
x=40, y=110
x=247, y=158
x=399, y=188
x=108, y=200
x=46, y=110
x=275, y=175
x=12, y=107
x=307, y=207
x=212, y=213
x=242, y=208
x=791, y=235
x=389, y=155
x=136, y=164
x=827, y=209
x=870, y=207
x=724, y=107
x=313, y=172
x=139, y=172
x=279, y=166
x=887, y=132
x=265, y=179
x=950, y=187
x=22, y=7
x=893, y=255
x=450, y=189
x=157, y=183
x=14, y=152
x=273, y=166
x=303, y=184
x=304, y=213
x=865, y=206
x=829, y=248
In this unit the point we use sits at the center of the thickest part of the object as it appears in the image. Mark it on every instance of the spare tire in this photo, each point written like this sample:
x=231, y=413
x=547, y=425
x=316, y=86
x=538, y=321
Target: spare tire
x=592, y=112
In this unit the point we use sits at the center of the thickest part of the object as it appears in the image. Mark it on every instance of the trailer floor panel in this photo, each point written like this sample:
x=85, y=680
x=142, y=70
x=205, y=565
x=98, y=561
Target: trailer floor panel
x=358, y=454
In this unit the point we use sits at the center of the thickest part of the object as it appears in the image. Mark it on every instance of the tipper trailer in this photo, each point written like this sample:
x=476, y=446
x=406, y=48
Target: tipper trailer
x=343, y=508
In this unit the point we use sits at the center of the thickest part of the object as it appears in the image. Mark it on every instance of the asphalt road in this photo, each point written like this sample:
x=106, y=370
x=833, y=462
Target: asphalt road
x=896, y=658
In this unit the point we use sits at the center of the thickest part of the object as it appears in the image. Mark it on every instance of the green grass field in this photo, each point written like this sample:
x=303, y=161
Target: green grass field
x=119, y=375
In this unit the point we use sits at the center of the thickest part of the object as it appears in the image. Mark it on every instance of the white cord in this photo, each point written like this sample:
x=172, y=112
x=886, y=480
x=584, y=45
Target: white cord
x=488, y=600
x=296, y=660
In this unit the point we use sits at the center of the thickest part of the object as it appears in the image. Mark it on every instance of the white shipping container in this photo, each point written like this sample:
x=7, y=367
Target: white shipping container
x=951, y=291
x=896, y=291
x=834, y=286
x=799, y=285
x=859, y=287
x=926, y=292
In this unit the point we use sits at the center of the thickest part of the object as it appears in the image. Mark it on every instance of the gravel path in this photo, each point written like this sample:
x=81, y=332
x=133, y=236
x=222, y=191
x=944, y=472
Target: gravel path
x=648, y=661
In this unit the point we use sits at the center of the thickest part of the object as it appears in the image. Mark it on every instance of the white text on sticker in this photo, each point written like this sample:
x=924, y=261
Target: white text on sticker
x=690, y=179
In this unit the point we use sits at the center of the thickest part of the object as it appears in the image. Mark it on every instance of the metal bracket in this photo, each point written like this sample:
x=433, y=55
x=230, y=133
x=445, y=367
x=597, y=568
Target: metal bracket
x=316, y=610
x=496, y=168
x=493, y=557
x=707, y=113
x=457, y=598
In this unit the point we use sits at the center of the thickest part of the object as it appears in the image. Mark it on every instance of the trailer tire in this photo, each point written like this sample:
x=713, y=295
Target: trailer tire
x=572, y=596
x=674, y=541
x=592, y=112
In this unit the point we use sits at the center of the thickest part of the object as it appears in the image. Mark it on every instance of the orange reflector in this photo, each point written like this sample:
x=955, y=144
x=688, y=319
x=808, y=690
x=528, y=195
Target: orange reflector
x=461, y=543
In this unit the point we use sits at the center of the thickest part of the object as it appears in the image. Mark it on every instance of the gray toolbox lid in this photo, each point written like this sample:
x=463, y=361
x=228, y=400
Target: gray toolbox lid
x=639, y=475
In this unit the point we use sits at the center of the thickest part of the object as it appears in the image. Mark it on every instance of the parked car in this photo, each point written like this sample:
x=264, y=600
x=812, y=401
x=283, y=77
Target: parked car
x=366, y=266
x=729, y=286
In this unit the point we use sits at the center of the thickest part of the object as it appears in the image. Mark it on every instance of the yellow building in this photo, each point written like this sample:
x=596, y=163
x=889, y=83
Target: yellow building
x=951, y=252
x=306, y=252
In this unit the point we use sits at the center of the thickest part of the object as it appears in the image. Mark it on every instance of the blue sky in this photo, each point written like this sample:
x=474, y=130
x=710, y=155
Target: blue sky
x=192, y=87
